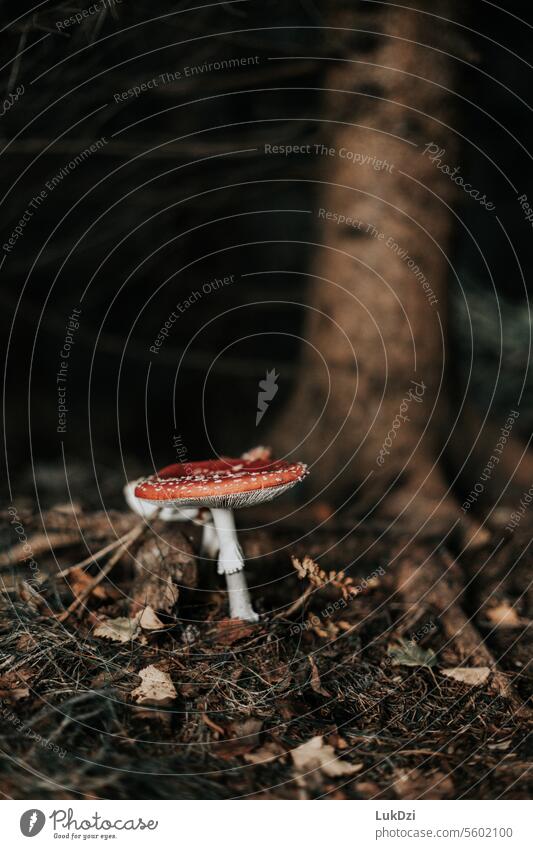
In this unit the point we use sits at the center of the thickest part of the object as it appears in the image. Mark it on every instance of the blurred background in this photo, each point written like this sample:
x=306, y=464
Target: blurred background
x=136, y=187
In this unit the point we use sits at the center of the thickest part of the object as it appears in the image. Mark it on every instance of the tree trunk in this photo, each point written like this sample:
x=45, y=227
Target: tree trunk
x=372, y=368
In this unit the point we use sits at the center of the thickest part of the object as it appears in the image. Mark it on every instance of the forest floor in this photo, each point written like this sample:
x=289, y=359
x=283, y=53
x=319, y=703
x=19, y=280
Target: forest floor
x=358, y=682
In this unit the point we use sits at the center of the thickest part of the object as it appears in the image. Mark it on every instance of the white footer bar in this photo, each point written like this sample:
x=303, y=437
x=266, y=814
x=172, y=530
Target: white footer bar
x=267, y=825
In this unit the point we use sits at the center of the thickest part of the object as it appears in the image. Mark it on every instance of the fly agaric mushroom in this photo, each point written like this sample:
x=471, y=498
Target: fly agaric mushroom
x=222, y=485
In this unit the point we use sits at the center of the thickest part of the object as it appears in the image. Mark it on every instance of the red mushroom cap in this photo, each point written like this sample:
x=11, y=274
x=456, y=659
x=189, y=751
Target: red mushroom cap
x=221, y=483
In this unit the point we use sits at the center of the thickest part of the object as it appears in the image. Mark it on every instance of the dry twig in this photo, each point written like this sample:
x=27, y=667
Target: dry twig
x=128, y=538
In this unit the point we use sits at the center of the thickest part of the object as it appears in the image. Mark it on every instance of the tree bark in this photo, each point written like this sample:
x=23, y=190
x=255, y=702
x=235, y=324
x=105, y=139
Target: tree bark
x=374, y=331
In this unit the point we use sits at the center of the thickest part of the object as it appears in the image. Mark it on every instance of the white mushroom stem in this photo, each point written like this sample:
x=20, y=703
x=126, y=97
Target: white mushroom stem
x=231, y=564
x=230, y=558
x=209, y=545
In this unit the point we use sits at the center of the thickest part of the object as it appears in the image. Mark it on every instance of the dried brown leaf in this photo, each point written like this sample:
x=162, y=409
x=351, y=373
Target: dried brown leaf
x=503, y=616
x=244, y=738
x=474, y=676
x=164, y=563
x=229, y=631
x=415, y=784
x=79, y=580
x=120, y=630
x=317, y=755
x=149, y=620
x=271, y=751
x=156, y=687
x=316, y=685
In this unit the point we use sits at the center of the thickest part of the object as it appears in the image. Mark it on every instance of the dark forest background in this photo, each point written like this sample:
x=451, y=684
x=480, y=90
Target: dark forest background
x=182, y=192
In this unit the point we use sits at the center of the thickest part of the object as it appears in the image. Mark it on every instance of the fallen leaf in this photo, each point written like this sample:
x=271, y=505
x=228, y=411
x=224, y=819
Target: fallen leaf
x=408, y=653
x=228, y=631
x=316, y=686
x=248, y=728
x=271, y=751
x=415, y=784
x=406, y=783
x=149, y=620
x=79, y=580
x=244, y=738
x=475, y=676
x=163, y=564
x=317, y=755
x=120, y=630
x=338, y=742
x=503, y=616
x=156, y=687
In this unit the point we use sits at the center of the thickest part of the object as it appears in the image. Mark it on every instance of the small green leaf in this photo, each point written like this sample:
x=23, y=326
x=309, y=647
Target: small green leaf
x=408, y=653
